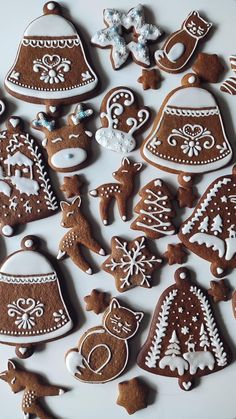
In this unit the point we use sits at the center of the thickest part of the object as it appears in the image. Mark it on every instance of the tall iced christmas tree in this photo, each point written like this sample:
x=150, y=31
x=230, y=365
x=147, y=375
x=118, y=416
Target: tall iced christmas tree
x=155, y=210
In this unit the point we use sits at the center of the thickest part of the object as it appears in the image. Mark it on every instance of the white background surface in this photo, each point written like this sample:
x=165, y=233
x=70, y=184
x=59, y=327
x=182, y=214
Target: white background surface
x=214, y=398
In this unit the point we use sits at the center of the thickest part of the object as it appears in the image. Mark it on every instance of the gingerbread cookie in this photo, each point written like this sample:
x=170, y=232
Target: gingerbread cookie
x=188, y=135
x=102, y=352
x=32, y=306
x=121, y=120
x=120, y=191
x=219, y=291
x=25, y=187
x=67, y=146
x=175, y=254
x=133, y=395
x=186, y=197
x=71, y=186
x=155, y=210
x=208, y=67
x=80, y=233
x=181, y=45
x=210, y=231
x=34, y=389
x=131, y=263
x=97, y=301
x=51, y=66
x=229, y=85
x=184, y=340
x=112, y=36
x=150, y=79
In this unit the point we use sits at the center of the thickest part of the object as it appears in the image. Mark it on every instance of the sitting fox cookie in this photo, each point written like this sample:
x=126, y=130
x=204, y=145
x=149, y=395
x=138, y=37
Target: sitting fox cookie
x=121, y=119
x=25, y=190
x=34, y=389
x=102, y=353
x=67, y=146
x=180, y=46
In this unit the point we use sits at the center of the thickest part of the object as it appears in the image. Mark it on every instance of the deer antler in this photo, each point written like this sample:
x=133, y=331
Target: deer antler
x=42, y=121
x=80, y=114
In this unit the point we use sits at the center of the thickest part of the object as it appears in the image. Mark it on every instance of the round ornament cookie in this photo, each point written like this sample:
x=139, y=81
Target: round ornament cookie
x=184, y=340
x=51, y=66
x=210, y=231
x=32, y=309
x=25, y=188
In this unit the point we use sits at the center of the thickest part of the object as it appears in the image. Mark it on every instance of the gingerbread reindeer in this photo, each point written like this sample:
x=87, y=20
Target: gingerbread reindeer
x=67, y=146
x=34, y=390
x=119, y=191
x=79, y=234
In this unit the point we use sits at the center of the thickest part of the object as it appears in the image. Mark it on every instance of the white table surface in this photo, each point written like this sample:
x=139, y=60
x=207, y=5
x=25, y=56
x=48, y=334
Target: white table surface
x=214, y=398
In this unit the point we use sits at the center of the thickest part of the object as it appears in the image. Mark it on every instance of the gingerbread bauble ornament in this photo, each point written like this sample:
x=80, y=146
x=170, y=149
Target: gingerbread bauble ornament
x=188, y=135
x=210, y=231
x=51, y=66
x=184, y=340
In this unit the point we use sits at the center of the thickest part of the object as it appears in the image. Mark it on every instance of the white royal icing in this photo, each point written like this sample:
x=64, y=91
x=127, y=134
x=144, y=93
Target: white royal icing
x=176, y=51
x=26, y=262
x=68, y=157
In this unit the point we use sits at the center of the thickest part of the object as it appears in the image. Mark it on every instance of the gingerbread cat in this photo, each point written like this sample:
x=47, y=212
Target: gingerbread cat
x=102, y=352
x=180, y=46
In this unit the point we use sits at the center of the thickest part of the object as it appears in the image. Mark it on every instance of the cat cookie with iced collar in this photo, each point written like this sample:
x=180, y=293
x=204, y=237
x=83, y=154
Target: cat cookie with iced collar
x=32, y=309
x=67, y=146
x=25, y=188
x=121, y=120
x=102, y=352
x=184, y=340
x=181, y=45
x=51, y=66
x=210, y=231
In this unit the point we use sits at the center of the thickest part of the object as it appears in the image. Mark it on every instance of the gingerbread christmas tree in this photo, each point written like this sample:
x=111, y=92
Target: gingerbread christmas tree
x=155, y=210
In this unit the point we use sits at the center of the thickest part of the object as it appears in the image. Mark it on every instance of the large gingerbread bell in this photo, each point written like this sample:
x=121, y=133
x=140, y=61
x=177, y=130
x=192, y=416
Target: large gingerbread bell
x=188, y=135
x=51, y=65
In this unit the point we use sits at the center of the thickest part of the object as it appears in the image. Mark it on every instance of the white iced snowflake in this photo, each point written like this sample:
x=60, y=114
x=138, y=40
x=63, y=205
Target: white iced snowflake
x=194, y=319
x=180, y=309
x=184, y=330
x=133, y=262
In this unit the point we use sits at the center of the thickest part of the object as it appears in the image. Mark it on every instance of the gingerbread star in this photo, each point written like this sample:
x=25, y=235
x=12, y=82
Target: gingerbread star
x=133, y=395
x=208, y=66
x=219, y=291
x=186, y=197
x=131, y=263
x=71, y=186
x=175, y=254
x=150, y=79
x=97, y=301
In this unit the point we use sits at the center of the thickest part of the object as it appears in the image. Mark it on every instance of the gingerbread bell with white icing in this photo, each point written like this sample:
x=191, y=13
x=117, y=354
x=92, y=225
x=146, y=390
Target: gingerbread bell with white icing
x=188, y=135
x=51, y=66
x=32, y=309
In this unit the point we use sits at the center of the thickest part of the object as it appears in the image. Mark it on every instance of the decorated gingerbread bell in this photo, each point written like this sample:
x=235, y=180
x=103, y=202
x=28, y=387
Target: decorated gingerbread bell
x=184, y=341
x=32, y=309
x=51, y=66
x=210, y=231
x=188, y=135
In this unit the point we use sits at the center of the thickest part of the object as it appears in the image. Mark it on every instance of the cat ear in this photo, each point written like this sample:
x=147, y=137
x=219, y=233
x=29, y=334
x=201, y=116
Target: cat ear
x=11, y=365
x=3, y=375
x=194, y=13
x=209, y=25
x=138, y=316
x=114, y=304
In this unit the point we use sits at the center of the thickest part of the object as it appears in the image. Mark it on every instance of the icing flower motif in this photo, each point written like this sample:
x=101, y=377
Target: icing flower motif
x=59, y=315
x=184, y=330
x=52, y=68
x=25, y=311
x=192, y=135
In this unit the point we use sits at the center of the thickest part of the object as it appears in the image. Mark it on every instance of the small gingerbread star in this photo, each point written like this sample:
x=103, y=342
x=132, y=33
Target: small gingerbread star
x=175, y=254
x=150, y=79
x=71, y=186
x=97, y=301
x=219, y=291
x=186, y=197
x=133, y=395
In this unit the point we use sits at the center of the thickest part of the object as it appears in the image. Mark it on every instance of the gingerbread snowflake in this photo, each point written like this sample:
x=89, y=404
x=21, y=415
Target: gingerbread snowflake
x=131, y=263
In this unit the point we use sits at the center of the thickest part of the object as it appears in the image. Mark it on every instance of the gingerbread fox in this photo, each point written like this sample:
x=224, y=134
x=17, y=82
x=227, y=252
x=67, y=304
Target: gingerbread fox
x=34, y=390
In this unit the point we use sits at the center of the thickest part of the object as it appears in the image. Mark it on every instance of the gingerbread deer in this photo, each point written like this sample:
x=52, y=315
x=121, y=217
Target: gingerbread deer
x=119, y=191
x=79, y=234
x=34, y=390
x=67, y=146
